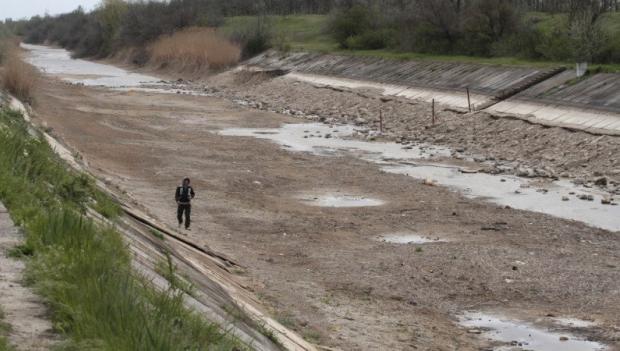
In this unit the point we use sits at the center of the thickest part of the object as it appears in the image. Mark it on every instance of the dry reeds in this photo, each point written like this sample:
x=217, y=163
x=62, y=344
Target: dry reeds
x=18, y=77
x=194, y=50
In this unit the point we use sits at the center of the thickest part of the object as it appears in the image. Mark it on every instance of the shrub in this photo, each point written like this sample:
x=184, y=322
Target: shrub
x=254, y=37
x=18, y=77
x=193, y=50
x=371, y=40
x=350, y=23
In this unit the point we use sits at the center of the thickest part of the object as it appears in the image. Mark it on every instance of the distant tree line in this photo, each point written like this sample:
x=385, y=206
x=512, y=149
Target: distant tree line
x=569, y=29
x=577, y=30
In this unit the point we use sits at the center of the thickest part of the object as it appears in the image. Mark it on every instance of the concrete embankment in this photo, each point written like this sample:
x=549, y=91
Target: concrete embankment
x=551, y=96
x=589, y=103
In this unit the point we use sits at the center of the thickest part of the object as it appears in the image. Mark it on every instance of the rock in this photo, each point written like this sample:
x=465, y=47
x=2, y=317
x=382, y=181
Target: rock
x=565, y=198
x=525, y=172
x=601, y=181
x=360, y=121
x=429, y=182
x=606, y=201
x=328, y=136
x=563, y=338
x=474, y=331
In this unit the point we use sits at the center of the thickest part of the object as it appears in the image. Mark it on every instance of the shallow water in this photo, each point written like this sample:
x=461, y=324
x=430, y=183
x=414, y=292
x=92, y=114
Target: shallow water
x=524, y=336
x=416, y=161
x=407, y=238
x=322, y=139
x=340, y=200
x=58, y=62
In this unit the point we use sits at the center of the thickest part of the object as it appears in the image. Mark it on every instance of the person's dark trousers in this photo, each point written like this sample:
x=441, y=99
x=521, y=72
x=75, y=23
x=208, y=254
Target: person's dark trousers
x=187, y=208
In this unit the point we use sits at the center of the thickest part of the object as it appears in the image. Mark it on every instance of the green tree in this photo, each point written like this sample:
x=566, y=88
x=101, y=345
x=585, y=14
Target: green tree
x=110, y=16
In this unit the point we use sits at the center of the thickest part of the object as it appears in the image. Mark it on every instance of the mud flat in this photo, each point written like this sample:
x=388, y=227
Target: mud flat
x=559, y=198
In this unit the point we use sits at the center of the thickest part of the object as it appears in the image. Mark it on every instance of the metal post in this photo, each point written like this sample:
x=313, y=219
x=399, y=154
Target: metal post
x=433, y=111
x=468, y=100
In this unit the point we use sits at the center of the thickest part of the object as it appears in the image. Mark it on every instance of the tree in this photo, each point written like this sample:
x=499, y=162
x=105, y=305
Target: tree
x=110, y=15
x=586, y=35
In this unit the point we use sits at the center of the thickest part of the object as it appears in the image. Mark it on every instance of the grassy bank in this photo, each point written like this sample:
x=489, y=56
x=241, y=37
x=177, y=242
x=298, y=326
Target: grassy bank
x=82, y=269
x=4, y=329
x=309, y=33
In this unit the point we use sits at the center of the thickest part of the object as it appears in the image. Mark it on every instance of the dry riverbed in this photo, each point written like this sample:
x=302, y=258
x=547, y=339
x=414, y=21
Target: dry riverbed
x=324, y=266
x=496, y=145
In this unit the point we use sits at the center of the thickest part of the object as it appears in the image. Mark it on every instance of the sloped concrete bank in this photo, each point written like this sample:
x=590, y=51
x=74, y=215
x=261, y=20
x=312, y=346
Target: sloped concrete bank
x=488, y=80
x=591, y=103
x=551, y=96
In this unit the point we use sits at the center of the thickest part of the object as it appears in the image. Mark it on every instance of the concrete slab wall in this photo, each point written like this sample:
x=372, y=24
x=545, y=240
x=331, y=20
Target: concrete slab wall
x=599, y=91
x=481, y=79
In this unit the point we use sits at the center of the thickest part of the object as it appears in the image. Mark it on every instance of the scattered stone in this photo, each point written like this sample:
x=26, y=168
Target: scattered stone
x=585, y=197
x=563, y=338
x=565, y=198
x=601, y=182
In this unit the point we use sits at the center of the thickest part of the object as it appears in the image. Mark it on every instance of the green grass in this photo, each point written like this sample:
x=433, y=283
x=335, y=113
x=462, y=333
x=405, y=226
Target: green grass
x=4, y=329
x=301, y=32
x=308, y=33
x=82, y=269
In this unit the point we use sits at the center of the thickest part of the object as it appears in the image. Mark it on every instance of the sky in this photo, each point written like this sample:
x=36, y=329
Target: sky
x=18, y=9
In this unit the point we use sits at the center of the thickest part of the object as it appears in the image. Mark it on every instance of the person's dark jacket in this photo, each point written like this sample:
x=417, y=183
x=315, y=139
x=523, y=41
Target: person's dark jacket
x=184, y=195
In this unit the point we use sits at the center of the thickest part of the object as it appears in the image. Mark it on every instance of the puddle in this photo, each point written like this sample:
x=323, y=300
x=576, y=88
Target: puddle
x=517, y=193
x=322, y=139
x=524, y=336
x=503, y=190
x=407, y=238
x=58, y=62
x=330, y=200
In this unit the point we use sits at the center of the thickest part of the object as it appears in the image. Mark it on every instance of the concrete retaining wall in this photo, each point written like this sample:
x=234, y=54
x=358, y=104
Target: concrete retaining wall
x=481, y=79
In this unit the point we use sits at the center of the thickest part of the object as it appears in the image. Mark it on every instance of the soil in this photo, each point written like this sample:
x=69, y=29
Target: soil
x=30, y=327
x=498, y=144
x=319, y=269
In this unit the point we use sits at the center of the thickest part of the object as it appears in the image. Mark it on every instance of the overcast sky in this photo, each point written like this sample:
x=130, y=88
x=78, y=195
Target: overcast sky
x=17, y=9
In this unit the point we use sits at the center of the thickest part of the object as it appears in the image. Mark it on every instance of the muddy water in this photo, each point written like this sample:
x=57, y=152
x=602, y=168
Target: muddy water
x=417, y=161
x=340, y=200
x=407, y=238
x=58, y=62
x=518, y=335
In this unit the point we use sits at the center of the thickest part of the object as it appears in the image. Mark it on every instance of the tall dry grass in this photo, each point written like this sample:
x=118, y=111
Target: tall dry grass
x=18, y=77
x=194, y=50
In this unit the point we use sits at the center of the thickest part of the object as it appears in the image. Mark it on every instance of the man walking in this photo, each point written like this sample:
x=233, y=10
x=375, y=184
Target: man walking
x=184, y=195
